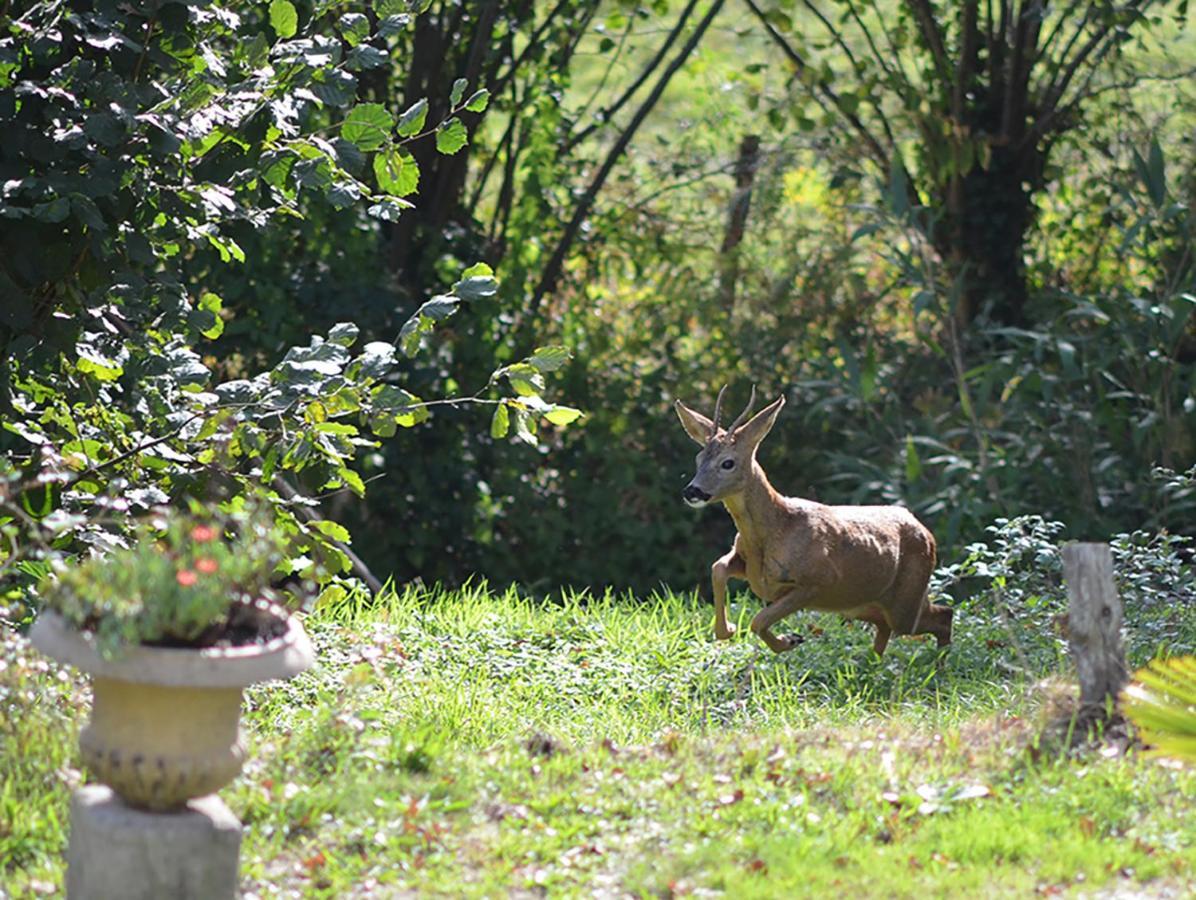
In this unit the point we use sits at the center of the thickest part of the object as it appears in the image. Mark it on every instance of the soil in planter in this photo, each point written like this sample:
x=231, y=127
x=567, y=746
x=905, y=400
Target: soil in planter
x=247, y=624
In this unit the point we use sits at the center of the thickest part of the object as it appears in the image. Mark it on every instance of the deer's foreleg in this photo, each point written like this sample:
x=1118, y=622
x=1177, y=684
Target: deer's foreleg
x=789, y=602
x=729, y=566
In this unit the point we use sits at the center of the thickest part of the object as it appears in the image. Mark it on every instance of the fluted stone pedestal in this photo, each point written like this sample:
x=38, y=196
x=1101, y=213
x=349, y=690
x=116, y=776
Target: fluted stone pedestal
x=117, y=852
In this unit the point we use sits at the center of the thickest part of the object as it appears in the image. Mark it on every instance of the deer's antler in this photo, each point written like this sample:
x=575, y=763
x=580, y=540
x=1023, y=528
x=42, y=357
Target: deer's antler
x=718, y=408
x=747, y=411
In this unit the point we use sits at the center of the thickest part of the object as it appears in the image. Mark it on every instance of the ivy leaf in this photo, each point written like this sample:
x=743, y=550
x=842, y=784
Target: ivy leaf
x=367, y=125
x=283, y=18
x=451, y=137
x=412, y=121
x=397, y=172
x=478, y=102
x=457, y=92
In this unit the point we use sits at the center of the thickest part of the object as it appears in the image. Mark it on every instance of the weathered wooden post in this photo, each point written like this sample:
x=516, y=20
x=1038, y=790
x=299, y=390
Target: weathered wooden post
x=1094, y=623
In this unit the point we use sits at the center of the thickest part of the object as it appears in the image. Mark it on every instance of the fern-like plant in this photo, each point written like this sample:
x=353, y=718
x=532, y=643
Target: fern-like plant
x=1161, y=702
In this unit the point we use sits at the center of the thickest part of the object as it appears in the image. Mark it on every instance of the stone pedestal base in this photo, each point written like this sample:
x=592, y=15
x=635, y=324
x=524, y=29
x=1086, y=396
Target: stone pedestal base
x=120, y=853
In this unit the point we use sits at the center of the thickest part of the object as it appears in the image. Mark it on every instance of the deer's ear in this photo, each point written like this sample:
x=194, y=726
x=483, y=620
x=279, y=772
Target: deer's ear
x=755, y=429
x=696, y=425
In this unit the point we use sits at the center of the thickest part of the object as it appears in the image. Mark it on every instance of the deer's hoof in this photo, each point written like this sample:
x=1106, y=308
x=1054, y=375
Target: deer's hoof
x=725, y=634
x=790, y=641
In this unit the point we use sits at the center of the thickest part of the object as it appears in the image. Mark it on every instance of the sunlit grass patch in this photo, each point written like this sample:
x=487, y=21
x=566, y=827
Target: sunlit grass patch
x=479, y=743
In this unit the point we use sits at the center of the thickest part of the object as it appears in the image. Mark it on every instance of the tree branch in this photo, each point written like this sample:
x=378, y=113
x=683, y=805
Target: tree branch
x=924, y=14
x=552, y=271
x=879, y=155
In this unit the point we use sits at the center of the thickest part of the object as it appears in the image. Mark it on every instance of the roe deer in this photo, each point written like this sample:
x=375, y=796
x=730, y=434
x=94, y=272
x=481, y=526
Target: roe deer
x=871, y=563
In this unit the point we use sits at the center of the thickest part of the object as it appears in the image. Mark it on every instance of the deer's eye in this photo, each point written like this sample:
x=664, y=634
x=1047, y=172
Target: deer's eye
x=728, y=464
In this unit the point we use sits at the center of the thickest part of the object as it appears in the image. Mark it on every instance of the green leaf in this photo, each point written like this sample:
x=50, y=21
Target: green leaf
x=391, y=25
x=376, y=359
x=913, y=464
x=561, y=415
x=366, y=57
x=367, y=125
x=96, y=363
x=479, y=268
x=525, y=427
x=549, y=359
x=397, y=171
x=451, y=137
x=525, y=379
x=283, y=18
x=388, y=209
x=478, y=102
x=557, y=415
x=54, y=211
x=501, y=423
x=412, y=121
x=476, y=287
x=355, y=27
x=344, y=333
x=439, y=307
x=211, y=303
x=403, y=406
x=333, y=530
x=457, y=92
x=353, y=481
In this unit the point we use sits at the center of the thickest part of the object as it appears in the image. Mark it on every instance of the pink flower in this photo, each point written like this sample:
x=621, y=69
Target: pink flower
x=207, y=565
x=186, y=577
x=203, y=533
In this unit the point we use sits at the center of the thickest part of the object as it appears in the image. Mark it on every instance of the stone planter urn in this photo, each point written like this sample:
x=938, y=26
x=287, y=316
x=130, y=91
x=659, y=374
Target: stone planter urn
x=165, y=722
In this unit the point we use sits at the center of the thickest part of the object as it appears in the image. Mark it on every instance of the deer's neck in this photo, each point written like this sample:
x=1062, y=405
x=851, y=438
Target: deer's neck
x=757, y=508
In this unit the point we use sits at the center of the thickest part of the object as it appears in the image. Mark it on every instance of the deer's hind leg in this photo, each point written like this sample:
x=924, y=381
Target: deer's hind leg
x=913, y=613
x=789, y=602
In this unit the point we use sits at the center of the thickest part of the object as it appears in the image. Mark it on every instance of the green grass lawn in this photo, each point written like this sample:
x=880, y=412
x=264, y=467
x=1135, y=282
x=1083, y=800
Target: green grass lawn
x=479, y=744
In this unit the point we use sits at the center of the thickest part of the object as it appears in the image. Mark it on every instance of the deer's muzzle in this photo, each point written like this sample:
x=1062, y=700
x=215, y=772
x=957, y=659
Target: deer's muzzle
x=695, y=496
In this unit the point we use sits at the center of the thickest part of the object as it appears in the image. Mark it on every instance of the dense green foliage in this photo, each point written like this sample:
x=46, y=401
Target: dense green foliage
x=192, y=192
x=142, y=144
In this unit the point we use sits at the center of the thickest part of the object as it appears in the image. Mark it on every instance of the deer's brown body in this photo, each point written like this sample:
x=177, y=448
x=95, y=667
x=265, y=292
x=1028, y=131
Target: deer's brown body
x=871, y=563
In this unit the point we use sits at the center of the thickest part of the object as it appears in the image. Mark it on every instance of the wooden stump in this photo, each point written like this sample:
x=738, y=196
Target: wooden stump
x=1094, y=622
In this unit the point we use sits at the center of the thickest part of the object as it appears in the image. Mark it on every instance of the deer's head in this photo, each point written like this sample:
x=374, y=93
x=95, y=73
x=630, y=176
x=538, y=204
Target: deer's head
x=725, y=461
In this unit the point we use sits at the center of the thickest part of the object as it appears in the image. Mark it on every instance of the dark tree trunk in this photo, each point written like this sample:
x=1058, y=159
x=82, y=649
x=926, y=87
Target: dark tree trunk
x=988, y=215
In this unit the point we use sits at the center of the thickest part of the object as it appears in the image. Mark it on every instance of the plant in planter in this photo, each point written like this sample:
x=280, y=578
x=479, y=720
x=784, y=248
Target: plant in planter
x=171, y=630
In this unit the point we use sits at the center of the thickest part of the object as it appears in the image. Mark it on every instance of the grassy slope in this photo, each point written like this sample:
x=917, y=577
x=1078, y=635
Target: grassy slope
x=479, y=744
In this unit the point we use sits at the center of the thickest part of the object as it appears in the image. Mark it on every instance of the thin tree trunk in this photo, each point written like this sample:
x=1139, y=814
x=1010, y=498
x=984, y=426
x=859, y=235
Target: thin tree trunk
x=737, y=213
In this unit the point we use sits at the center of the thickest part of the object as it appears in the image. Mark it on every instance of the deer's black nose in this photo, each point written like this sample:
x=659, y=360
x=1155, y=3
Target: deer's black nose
x=693, y=494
